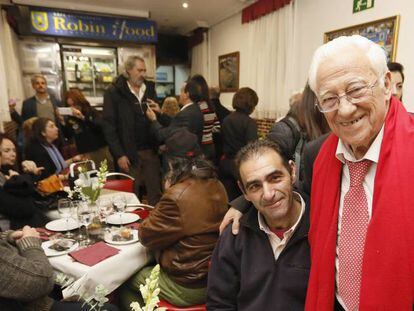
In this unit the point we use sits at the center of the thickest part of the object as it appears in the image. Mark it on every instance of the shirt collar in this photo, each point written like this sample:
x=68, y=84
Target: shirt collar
x=140, y=93
x=343, y=152
x=185, y=106
x=264, y=227
x=42, y=101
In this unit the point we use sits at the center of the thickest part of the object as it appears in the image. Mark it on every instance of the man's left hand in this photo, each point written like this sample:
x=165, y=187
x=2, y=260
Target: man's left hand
x=154, y=105
x=151, y=115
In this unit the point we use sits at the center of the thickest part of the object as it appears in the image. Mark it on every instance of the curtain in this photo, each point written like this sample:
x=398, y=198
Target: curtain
x=200, y=57
x=271, y=60
x=11, y=86
x=261, y=8
x=4, y=107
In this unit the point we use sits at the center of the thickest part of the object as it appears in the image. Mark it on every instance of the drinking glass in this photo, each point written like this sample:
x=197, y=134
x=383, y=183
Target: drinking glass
x=119, y=204
x=85, y=217
x=80, y=237
x=106, y=208
x=65, y=209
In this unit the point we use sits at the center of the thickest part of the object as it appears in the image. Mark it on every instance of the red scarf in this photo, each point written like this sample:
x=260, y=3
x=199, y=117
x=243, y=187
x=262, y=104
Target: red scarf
x=388, y=264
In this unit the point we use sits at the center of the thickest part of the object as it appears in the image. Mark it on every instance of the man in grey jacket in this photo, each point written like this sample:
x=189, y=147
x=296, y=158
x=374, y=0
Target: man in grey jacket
x=26, y=276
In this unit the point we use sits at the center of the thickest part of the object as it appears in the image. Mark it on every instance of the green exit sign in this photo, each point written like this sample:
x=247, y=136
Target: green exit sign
x=361, y=5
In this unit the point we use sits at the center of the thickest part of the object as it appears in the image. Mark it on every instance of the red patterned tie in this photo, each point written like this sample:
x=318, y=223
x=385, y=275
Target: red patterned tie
x=354, y=225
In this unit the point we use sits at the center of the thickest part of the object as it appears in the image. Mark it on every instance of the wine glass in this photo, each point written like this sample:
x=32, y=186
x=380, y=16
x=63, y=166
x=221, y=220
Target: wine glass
x=80, y=237
x=65, y=209
x=106, y=208
x=85, y=217
x=119, y=204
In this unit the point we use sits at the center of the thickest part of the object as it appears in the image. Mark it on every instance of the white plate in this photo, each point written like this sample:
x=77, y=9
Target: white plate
x=60, y=225
x=127, y=218
x=51, y=252
x=133, y=207
x=108, y=239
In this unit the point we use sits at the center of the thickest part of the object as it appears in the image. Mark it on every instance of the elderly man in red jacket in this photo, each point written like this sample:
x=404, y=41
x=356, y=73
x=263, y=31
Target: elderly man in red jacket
x=362, y=215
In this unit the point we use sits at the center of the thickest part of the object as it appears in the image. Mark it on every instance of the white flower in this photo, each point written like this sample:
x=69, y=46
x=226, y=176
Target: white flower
x=135, y=306
x=94, y=182
x=149, y=293
x=88, y=188
x=79, y=182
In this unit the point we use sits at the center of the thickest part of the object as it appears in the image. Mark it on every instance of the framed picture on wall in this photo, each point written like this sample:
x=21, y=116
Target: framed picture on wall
x=229, y=72
x=383, y=31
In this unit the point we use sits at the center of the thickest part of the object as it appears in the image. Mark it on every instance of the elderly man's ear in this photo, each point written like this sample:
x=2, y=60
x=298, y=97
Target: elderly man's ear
x=387, y=85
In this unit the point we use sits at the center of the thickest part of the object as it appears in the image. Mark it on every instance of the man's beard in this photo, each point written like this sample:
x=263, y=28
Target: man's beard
x=137, y=82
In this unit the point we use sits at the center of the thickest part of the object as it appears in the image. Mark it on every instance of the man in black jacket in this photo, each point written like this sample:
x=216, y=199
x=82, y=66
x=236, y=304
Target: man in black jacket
x=127, y=130
x=266, y=266
x=190, y=115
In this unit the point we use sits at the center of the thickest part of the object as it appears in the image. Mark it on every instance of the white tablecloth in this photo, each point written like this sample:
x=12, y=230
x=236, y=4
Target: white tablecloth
x=111, y=272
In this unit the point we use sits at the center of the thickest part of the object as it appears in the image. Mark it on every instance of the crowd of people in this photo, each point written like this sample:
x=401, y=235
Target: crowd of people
x=314, y=216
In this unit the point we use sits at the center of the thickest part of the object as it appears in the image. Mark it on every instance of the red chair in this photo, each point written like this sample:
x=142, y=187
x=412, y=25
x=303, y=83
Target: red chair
x=125, y=184
x=170, y=307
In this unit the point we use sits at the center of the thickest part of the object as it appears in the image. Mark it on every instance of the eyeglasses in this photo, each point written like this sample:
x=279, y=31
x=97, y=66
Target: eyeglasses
x=355, y=95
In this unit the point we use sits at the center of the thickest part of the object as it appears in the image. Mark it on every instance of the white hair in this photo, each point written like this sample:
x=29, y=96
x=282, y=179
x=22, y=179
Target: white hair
x=130, y=63
x=373, y=51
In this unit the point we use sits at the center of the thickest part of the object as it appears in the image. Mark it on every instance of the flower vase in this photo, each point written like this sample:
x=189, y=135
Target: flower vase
x=96, y=227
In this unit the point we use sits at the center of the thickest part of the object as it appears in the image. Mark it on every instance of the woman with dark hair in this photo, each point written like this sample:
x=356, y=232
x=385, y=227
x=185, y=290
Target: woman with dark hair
x=43, y=152
x=17, y=206
x=182, y=230
x=238, y=129
x=211, y=123
x=10, y=162
x=303, y=123
x=85, y=126
x=310, y=119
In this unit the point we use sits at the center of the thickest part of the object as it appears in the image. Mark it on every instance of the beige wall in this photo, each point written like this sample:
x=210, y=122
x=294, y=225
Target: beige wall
x=313, y=18
x=227, y=37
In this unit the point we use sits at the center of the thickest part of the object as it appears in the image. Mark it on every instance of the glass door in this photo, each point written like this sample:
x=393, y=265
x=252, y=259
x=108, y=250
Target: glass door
x=89, y=69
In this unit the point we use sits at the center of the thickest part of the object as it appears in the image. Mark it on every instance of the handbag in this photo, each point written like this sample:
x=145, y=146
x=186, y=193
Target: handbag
x=49, y=185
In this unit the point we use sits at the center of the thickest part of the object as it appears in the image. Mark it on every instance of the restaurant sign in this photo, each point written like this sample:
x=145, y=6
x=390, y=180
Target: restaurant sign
x=53, y=23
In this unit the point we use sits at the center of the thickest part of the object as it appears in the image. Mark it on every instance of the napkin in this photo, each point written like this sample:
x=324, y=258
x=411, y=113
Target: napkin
x=134, y=225
x=142, y=213
x=94, y=254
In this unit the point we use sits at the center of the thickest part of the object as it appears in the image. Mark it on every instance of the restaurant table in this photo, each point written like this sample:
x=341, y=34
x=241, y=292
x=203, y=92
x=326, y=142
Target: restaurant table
x=111, y=272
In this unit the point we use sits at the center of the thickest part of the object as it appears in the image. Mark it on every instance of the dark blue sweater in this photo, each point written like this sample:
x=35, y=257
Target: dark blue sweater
x=245, y=276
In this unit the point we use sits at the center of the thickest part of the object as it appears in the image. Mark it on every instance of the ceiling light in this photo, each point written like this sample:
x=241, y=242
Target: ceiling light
x=185, y=5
